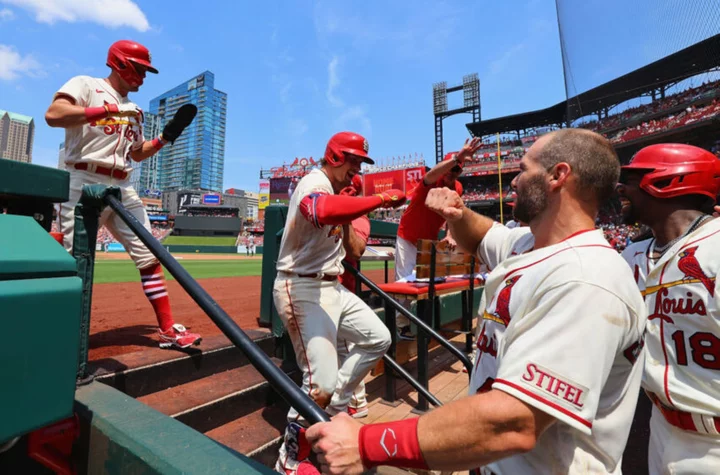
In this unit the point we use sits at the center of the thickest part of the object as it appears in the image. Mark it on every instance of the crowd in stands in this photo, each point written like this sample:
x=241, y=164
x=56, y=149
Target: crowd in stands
x=634, y=113
x=688, y=116
x=159, y=232
x=618, y=235
x=485, y=192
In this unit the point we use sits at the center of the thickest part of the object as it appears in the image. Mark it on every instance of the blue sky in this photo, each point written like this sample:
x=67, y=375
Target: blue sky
x=298, y=71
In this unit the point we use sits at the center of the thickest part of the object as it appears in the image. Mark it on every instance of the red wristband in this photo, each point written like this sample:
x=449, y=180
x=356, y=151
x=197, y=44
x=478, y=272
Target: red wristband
x=391, y=443
x=157, y=143
x=95, y=113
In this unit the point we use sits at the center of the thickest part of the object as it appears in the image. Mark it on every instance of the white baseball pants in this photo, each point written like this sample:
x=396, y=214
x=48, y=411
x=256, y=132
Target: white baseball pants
x=139, y=253
x=316, y=315
x=676, y=451
x=405, y=259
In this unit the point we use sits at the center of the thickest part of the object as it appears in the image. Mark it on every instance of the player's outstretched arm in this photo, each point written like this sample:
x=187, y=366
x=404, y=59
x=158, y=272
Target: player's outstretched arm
x=466, y=227
x=462, y=435
x=172, y=130
x=63, y=112
x=322, y=209
x=466, y=153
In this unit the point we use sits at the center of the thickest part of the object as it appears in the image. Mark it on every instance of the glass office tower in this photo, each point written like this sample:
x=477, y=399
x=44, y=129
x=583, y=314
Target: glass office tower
x=196, y=160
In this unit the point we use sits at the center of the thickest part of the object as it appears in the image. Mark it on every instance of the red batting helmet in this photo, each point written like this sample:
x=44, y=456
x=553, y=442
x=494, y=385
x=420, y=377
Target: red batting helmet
x=122, y=54
x=346, y=142
x=674, y=169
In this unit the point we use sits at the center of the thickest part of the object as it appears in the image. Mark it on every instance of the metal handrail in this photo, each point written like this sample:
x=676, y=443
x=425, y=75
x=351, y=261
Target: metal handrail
x=395, y=366
x=280, y=381
x=424, y=327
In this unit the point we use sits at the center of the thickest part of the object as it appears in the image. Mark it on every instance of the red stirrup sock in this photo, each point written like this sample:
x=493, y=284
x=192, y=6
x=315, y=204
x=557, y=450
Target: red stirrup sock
x=153, y=282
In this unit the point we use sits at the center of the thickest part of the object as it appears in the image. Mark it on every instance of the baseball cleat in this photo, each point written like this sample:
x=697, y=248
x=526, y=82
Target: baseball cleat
x=358, y=413
x=404, y=333
x=178, y=336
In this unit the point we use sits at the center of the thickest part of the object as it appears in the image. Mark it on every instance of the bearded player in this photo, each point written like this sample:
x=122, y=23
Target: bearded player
x=669, y=187
x=316, y=309
x=103, y=141
x=555, y=383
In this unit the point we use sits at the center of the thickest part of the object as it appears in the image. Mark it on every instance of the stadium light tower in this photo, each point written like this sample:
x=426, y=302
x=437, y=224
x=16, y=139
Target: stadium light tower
x=471, y=104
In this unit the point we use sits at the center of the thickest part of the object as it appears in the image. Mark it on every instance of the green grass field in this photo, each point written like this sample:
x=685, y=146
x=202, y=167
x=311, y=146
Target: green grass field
x=124, y=271
x=199, y=241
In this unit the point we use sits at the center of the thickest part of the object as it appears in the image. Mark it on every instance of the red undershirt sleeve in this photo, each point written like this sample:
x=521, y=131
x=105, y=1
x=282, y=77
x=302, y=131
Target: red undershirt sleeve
x=323, y=209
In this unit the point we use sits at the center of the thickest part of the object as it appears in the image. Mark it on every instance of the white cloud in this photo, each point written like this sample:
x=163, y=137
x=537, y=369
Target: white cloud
x=110, y=13
x=13, y=64
x=6, y=14
x=352, y=115
x=333, y=83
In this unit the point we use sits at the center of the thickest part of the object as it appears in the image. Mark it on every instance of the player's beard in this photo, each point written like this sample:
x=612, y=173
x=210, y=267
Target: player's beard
x=627, y=213
x=531, y=200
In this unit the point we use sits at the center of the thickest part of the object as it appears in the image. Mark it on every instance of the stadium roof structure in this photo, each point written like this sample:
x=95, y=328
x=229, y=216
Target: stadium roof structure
x=665, y=72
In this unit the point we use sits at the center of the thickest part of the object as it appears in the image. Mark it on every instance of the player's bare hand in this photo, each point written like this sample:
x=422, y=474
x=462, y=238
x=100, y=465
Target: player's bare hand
x=446, y=203
x=469, y=148
x=716, y=210
x=336, y=444
x=392, y=198
x=451, y=244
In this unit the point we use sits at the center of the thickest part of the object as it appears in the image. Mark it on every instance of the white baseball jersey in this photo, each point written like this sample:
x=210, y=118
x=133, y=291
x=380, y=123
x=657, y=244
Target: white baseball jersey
x=305, y=248
x=105, y=142
x=682, y=366
x=562, y=332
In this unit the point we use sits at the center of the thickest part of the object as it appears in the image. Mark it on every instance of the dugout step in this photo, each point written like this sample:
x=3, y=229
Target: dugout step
x=207, y=403
x=154, y=369
x=257, y=435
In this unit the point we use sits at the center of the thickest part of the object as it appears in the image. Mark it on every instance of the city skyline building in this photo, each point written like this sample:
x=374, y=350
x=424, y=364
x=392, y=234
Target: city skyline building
x=145, y=178
x=197, y=158
x=17, y=133
x=61, y=156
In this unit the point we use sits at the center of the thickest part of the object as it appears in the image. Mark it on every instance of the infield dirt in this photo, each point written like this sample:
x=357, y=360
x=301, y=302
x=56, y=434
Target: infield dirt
x=122, y=320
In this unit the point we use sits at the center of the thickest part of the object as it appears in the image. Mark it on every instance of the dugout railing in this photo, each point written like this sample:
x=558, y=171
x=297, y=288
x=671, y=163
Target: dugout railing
x=391, y=307
x=280, y=381
x=393, y=367
x=93, y=199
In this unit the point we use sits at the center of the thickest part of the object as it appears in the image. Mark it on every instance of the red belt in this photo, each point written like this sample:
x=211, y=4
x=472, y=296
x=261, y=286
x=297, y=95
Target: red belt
x=118, y=174
x=684, y=420
x=325, y=277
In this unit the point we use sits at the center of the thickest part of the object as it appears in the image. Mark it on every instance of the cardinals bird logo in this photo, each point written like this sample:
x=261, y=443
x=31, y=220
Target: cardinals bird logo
x=689, y=265
x=502, y=304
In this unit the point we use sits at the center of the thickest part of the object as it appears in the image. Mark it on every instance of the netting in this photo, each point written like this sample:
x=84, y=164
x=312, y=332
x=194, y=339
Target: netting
x=604, y=40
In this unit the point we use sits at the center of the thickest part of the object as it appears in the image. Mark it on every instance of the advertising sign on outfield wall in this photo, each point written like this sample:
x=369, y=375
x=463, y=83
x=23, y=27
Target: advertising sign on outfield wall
x=264, y=195
x=406, y=180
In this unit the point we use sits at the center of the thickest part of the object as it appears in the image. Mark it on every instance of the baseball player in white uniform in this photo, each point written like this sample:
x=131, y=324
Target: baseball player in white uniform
x=315, y=308
x=670, y=188
x=556, y=380
x=103, y=138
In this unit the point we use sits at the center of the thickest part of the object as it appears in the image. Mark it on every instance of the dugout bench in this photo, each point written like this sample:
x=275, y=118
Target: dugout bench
x=439, y=271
